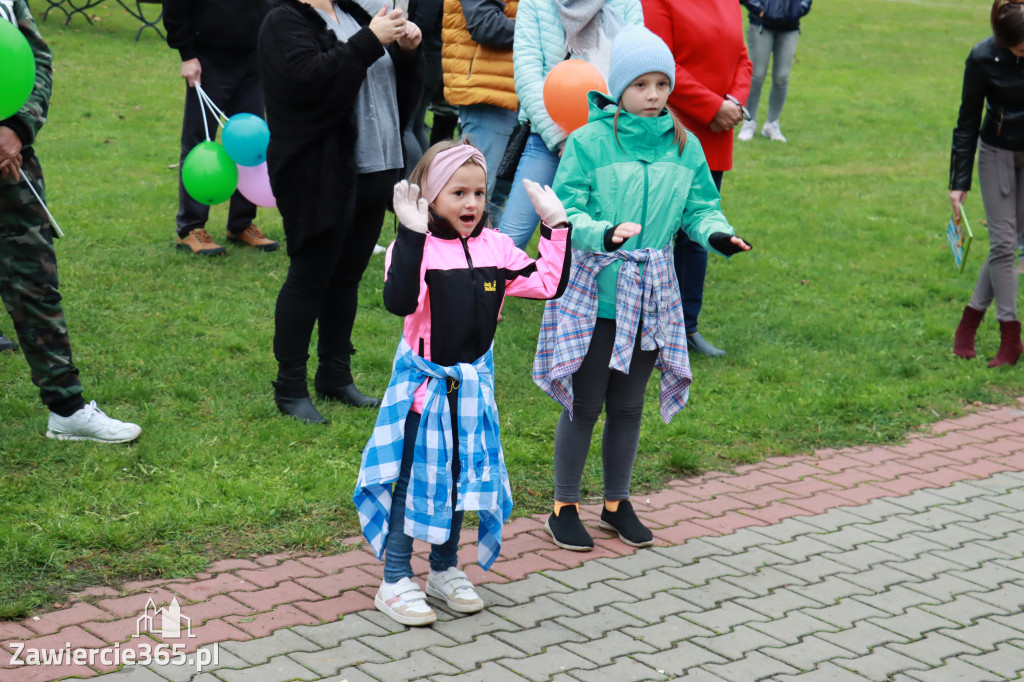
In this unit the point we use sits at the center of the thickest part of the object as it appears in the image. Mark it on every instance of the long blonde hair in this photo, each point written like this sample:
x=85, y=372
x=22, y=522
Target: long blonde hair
x=679, y=136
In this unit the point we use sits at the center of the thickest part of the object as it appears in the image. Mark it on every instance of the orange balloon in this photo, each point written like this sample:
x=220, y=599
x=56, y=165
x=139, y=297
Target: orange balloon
x=565, y=92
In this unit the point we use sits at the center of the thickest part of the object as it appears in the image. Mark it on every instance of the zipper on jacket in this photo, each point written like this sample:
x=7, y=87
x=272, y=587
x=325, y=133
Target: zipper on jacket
x=465, y=247
x=999, y=125
x=643, y=214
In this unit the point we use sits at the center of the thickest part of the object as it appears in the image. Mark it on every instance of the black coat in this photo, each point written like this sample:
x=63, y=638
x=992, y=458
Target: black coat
x=205, y=26
x=310, y=82
x=993, y=81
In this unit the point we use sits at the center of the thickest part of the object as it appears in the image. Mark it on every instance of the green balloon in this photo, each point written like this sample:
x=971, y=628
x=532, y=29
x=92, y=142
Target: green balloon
x=18, y=74
x=209, y=174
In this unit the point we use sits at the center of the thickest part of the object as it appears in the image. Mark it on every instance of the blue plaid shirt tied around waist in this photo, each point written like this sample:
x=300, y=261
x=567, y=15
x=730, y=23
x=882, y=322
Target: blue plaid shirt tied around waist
x=653, y=295
x=483, y=484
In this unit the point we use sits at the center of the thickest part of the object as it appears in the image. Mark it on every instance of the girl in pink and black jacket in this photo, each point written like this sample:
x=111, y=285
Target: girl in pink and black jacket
x=435, y=450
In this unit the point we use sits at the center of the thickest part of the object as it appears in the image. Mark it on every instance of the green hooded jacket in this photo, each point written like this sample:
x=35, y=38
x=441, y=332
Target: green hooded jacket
x=27, y=122
x=639, y=178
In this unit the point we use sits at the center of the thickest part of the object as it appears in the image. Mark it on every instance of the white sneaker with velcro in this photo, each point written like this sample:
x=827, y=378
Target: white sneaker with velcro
x=454, y=587
x=405, y=602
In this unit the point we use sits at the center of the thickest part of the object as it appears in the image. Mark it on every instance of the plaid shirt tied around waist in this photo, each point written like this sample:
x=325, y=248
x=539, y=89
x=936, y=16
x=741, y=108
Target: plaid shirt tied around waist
x=568, y=324
x=483, y=484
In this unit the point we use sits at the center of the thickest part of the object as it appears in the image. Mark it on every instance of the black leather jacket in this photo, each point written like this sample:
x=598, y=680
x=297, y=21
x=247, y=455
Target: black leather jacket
x=993, y=77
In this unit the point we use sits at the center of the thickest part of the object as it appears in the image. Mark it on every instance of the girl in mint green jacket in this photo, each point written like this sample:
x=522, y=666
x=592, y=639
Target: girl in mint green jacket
x=629, y=179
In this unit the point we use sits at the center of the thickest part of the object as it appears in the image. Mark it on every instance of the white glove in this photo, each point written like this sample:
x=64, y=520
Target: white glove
x=410, y=207
x=546, y=202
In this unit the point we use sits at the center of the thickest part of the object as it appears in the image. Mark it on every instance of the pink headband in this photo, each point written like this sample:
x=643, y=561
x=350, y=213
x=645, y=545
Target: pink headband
x=444, y=165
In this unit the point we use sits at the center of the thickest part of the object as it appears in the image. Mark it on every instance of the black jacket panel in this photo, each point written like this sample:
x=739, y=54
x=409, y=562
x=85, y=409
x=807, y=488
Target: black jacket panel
x=213, y=25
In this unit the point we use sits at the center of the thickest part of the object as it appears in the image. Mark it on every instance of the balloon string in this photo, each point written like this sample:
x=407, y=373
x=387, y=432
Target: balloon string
x=202, y=110
x=53, y=220
x=209, y=102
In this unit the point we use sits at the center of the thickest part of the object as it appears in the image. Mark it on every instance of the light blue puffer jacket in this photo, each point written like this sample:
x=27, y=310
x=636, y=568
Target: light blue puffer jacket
x=539, y=44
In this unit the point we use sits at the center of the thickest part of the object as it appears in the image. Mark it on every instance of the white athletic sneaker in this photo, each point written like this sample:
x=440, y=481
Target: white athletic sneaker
x=747, y=131
x=89, y=423
x=405, y=602
x=772, y=132
x=454, y=587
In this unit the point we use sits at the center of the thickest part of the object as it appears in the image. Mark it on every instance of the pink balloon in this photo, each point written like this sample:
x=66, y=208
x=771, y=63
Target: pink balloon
x=254, y=184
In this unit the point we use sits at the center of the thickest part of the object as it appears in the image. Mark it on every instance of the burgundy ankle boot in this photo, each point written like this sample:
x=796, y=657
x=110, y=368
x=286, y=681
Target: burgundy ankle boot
x=1010, y=346
x=963, y=341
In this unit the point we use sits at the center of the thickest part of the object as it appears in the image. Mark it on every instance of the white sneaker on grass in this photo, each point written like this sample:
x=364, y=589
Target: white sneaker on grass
x=454, y=587
x=772, y=132
x=747, y=131
x=89, y=423
x=404, y=602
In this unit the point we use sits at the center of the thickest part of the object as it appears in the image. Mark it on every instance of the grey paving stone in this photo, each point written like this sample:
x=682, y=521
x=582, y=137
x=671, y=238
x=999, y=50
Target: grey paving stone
x=933, y=649
x=491, y=672
x=954, y=670
x=739, y=541
x=529, y=614
x=926, y=566
x=974, y=554
x=737, y=643
x=953, y=536
x=666, y=633
x=534, y=640
x=1014, y=621
x=896, y=600
x=984, y=635
x=133, y=673
x=638, y=563
x=385, y=622
x=850, y=537
x=826, y=672
x=330, y=661
x=807, y=654
x=1007, y=660
x=400, y=644
x=778, y=603
x=1016, y=564
x=878, y=510
x=862, y=638
x=944, y=587
x=411, y=666
x=913, y=624
x=832, y=520
x=880, y=664
x=980, y=509
x=534, y=585
x=688, y=552
x=713, y=593
x=801, y=548
x=701, y=571
x=585, y=575
x=279, y=669
x=467, y=628
x=862, y=558
x=911, y=546
x=1009, y=595
x=1009, y=545
x=754, y=666
x=470, y=655
x=793, y=627
x=940, y=517
x=829, y=590
x=542, y=666
x=647, y=585
x=920, y=500
x=655, y=609
x=612, y=646
x=763, y=581
x=188, y=673
x=590, y=599
x=753, y=559
x=699, y=675
x=785, y=531
x=348, y=626
x=725, y=617
x=991, y=576
x=879, y=578
x=604, y=619
x=263, y=649
x=621, y=669
x=995, y=526
x=845, y=613
x=814, y=569
x=964, y=609
x=680, y=658
x=961, y=492
x=999, y=483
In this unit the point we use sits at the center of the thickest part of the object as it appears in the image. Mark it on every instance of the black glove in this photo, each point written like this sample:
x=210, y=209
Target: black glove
x=722, y=242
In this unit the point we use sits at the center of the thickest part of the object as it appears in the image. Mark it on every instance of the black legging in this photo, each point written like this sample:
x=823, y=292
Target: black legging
x=323, y=279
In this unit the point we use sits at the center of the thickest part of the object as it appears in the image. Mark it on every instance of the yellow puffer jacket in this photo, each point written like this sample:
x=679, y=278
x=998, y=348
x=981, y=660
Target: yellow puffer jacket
x=475, y=73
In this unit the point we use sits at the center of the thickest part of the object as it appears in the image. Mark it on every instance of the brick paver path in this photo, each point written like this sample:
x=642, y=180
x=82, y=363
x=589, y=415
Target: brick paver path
x=876, y=563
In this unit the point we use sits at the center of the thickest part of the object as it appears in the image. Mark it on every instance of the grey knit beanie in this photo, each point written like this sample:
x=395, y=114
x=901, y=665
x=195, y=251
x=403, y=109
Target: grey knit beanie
x=636, y=51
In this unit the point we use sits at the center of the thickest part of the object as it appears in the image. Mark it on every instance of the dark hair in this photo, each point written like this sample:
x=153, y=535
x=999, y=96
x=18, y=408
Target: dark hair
x=1008, y=22
x=416, y=176
x=680, y=130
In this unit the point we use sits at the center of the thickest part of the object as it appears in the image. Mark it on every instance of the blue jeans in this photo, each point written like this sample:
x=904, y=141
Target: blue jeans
x=488, y=127
x=539, y=164
x=766, y=45
x=398, y=547
x=691, y=261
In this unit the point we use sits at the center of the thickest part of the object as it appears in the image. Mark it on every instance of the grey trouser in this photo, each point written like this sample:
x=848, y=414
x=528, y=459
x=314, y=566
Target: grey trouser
x=762, y=44
x=1001, y=176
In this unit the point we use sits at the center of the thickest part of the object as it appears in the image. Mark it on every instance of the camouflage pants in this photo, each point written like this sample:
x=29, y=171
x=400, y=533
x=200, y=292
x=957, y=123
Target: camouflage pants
x=28, y=285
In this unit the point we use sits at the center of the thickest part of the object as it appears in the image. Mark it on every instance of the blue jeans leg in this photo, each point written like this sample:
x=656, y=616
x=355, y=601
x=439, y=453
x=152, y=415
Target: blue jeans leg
x=539, y=164
x=488, y=127
x=398, y=547
x=691, y=261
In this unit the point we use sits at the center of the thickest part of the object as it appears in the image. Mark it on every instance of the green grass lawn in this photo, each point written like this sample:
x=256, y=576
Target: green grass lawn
x=838, y=325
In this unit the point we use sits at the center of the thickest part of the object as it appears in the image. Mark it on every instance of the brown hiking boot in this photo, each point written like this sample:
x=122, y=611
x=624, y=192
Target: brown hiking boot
x=251, y=236
x=201, y=243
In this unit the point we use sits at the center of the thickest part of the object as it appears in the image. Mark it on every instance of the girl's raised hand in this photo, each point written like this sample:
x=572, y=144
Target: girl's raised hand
x=410, y=207
x=624, y=231
x=546, y=203
x=388, y=26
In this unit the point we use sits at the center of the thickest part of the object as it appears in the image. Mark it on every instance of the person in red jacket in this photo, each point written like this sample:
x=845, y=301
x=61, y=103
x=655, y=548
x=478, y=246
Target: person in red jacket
x=712, y=82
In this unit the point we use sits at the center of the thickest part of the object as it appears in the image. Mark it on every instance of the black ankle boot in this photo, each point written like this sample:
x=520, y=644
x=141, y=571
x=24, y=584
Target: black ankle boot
x=292, y=395
x=334, y=381
x=6, y=343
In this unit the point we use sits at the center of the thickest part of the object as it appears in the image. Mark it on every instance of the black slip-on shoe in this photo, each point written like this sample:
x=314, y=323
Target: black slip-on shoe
x=567, y=530
x=625, y=522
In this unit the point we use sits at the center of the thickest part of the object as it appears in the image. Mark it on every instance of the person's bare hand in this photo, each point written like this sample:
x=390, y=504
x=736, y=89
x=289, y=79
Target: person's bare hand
x=956, y=198
x=388, y=26
x=11, y=168
x=412, y=37
x=10, y=152
x=624, y=231
x=728, y=117
x=191, y=72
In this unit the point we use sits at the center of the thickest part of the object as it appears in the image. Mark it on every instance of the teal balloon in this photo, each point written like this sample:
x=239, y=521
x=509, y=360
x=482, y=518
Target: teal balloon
x=245, y=139
x=18, y=70
x=209, y=174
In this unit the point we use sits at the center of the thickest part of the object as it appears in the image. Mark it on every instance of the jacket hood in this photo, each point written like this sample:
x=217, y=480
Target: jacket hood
x=642, y=135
